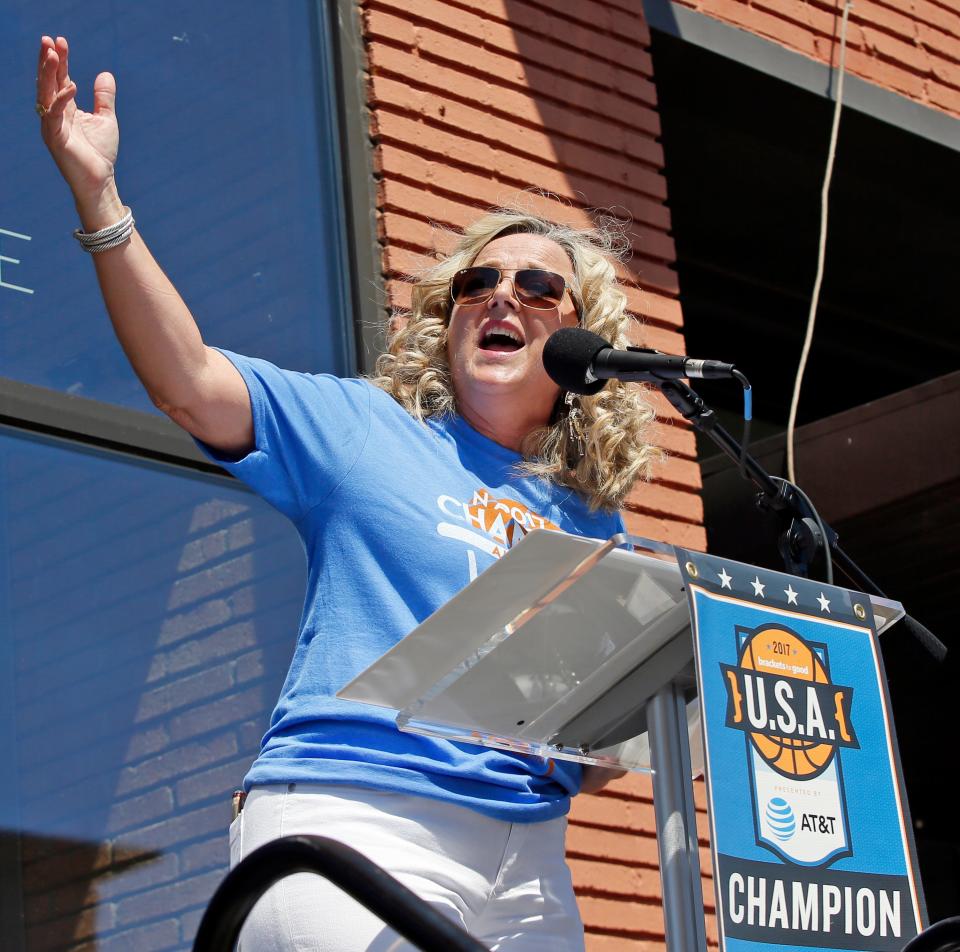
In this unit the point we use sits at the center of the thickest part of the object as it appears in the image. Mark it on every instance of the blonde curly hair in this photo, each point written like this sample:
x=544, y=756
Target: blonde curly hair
x=415, y=371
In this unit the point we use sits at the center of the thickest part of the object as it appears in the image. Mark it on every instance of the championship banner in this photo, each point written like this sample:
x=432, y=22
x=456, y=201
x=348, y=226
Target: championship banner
x=810, y=828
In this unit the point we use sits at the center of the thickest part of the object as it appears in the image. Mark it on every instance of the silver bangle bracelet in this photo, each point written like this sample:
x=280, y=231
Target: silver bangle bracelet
x=109, y=237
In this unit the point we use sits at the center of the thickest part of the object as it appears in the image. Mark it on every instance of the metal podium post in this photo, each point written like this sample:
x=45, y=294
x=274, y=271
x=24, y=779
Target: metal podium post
x=676, y=821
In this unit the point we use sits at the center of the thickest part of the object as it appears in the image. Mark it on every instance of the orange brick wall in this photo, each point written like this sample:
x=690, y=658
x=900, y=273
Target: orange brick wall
x=612, y=852
x=909, y=46
x=473, y=101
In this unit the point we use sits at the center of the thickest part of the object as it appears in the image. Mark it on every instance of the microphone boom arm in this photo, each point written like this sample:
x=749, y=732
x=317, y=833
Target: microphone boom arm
x=801, y=538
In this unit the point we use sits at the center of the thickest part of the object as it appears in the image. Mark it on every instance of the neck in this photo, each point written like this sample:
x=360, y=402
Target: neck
x=502, y=424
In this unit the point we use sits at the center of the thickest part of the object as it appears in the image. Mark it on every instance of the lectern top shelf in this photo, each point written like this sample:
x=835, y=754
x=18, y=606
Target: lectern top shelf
x=553, y=651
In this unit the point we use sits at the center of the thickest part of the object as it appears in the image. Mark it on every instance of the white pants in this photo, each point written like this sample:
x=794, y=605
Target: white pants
x=507, y=884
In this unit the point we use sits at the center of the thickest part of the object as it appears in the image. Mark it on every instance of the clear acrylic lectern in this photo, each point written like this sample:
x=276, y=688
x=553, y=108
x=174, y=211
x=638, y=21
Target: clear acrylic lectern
x=573, y=648
x=579, y=649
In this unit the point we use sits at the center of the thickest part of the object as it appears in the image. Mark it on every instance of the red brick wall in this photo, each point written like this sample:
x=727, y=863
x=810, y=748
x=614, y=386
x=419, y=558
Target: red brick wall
x=909, y=46
x=471, y=102
x=612, y=851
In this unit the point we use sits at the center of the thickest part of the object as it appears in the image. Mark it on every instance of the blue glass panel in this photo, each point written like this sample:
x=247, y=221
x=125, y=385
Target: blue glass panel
x=228, y=159
x=147, y=618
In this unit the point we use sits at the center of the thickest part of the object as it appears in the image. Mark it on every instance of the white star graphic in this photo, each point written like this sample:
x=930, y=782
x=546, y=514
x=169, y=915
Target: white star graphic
x=791, y=595
x=725, y=579
x=758, y=586
x=824, y=603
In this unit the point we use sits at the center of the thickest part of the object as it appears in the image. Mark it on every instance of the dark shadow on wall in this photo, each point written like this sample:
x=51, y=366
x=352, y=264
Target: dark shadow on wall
x=746, y=155
x=69, y=879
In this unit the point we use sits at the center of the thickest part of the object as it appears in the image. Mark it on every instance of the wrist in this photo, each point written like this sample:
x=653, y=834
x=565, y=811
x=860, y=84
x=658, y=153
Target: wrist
x=100, y=209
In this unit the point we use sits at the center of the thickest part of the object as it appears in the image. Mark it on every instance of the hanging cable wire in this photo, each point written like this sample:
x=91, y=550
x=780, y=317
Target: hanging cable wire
x=822, y=249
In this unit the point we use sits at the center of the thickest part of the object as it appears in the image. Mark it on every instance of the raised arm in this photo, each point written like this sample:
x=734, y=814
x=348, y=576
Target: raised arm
x=196, y=386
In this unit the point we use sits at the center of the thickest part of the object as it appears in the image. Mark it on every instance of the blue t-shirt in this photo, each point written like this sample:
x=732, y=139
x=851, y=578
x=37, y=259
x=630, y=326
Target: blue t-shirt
x=396, y=517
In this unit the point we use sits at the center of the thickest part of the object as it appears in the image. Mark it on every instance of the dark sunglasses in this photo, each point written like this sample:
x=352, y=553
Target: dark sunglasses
x=534, y=287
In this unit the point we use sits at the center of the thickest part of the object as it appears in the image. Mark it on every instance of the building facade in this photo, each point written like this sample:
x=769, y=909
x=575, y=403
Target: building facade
x=291, y=169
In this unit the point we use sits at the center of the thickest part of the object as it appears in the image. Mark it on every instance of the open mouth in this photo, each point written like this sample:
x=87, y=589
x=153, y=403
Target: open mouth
x=501, y=340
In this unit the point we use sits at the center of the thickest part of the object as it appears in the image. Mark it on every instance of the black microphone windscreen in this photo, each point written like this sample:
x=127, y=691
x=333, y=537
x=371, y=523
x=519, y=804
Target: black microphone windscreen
x=567, y=356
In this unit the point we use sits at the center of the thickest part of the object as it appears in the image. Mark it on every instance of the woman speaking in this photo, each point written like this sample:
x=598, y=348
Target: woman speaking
x=459, y=422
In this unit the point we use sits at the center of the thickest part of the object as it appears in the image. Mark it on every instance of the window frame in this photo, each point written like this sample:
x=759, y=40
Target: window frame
x=336, y=34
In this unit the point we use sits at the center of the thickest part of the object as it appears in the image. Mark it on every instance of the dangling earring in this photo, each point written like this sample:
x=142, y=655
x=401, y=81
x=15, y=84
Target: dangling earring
x=575, y=434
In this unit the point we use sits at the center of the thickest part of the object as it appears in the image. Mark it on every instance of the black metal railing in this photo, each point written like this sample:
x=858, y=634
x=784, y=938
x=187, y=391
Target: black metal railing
x=399, y=908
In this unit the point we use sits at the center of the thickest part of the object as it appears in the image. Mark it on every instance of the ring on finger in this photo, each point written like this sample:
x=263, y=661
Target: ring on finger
x=41, y=109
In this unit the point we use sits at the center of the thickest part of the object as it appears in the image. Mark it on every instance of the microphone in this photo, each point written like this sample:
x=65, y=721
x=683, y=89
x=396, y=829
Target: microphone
x=582, y=362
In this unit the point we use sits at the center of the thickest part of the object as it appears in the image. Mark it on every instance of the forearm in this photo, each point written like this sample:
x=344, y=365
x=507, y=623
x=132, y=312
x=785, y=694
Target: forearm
x=596, y=778
x=153, y=324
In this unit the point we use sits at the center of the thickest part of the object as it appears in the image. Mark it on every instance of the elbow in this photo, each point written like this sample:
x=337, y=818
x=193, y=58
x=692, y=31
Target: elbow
x=161, y=403
x=176, y=412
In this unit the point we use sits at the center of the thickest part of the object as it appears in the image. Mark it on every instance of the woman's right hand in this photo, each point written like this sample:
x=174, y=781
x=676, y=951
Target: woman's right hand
x=84, y=145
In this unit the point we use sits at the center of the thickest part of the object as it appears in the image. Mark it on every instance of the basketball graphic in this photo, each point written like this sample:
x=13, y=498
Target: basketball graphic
x=774, y=649
x=794, y=719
